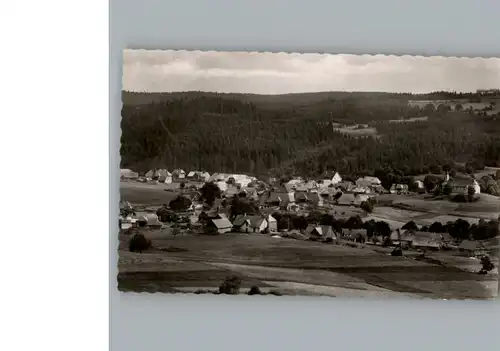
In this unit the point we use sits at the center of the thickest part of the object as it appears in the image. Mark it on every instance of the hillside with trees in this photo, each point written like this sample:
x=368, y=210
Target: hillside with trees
x=295, y=134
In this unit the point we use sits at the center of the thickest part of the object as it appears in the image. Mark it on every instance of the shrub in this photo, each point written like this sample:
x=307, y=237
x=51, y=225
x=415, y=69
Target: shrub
x=460, y=198
x=367, y=206
x=230, y=286
x=202, y=291
x=254, y=290
x=397, y=252
x=139, y=243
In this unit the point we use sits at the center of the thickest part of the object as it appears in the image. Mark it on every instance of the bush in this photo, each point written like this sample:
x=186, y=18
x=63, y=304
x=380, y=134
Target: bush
x=254, y=290
x=460, y=198
x=139, y=243
x=367, y=206
x=397, y=252
x=230, y=286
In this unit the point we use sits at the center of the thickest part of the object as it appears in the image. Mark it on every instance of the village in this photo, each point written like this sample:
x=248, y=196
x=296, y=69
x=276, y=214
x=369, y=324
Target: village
x=330, y=211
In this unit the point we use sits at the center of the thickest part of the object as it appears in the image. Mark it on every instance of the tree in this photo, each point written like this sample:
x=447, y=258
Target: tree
x=241, y=207
x=486, y=265
x=231, y=286
x=436, y=227
x=326, y=219
x=382, y=228
x=367, y=206
x=431, y=182
x=299, y=222
x=354, y=222
x=180, y=203
x=209, y=192
x=447, y=189
x=471, y=192
x=460, y=229
x=411, y=225
x=139, y=243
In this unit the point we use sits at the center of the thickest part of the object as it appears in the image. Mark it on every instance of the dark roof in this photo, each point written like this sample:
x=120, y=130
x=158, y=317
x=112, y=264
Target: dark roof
x=222, y=223
x=256, y=221
x=240, y=220
x=468, y=245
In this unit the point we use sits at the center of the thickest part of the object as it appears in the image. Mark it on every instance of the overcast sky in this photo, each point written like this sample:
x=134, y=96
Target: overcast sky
x=269, y=73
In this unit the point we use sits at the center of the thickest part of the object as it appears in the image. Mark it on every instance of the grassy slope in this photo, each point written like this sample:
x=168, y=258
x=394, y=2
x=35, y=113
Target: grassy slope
x=288, y=260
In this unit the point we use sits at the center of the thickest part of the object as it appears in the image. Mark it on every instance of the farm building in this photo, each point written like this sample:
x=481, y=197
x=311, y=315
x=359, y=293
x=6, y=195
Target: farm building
x=149, y=220
x=198, y=176
x=272, y=224
x=368, y=181
x=426, y=244
x=164, y=176
x=221, y=226
x=128, y=174
x=280, y=197
x=293, y=183
x=242, y=224
x=347, y=200
x=461, y=184
x=178, y=173
x=356, y=235
x=321, y=232
x=258, y=224
x=418, y=239
x=399, y=189
x=361, y=190
x=471, y=248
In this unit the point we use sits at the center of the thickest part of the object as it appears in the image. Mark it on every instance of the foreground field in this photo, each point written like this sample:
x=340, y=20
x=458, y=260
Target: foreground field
x=291, y=266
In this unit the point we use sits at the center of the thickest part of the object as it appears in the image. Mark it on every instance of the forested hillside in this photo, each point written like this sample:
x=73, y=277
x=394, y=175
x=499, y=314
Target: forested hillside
x=295, y=133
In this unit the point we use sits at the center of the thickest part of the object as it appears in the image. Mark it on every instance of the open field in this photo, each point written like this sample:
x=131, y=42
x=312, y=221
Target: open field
x=147, y=194
x=355, y=131
x=409, y=120
x=487, y=207
x=287, y=265
x=486, y=172
x=398, y=217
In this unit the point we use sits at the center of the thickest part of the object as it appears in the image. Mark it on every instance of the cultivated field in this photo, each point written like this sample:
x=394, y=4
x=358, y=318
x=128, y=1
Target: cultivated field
x=188, y=263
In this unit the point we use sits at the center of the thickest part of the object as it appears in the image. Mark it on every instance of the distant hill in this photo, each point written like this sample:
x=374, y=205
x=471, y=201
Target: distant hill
x=296, y=99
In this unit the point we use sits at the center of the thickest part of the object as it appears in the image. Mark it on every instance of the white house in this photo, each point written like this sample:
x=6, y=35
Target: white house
x=336, y=178
x=222, y=185
x=179, y=173
x=272, y=224
x=128, y=174
x=258, y=224
x=461, y=185
x=368, y=181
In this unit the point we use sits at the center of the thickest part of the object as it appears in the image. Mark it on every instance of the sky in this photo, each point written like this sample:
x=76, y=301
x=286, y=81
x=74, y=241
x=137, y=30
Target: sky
x=282, y=73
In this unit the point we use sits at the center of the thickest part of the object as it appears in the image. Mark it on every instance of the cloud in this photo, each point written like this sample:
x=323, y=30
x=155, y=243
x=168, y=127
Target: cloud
x=279, y=73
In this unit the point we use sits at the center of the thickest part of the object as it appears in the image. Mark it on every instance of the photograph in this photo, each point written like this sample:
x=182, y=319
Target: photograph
x=301, y=174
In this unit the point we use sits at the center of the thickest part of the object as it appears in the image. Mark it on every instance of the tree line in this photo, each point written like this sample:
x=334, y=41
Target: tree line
x=220, y=134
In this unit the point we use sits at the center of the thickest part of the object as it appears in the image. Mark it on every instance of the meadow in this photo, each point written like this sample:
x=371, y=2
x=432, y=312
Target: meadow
x=187, y=263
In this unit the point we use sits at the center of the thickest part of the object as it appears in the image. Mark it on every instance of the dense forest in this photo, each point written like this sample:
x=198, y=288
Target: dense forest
x=297, y=134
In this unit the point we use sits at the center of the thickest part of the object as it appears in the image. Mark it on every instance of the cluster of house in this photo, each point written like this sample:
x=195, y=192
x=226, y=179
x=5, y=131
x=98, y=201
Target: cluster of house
x=243, y=224
x=418, y=240
x=299, y=190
